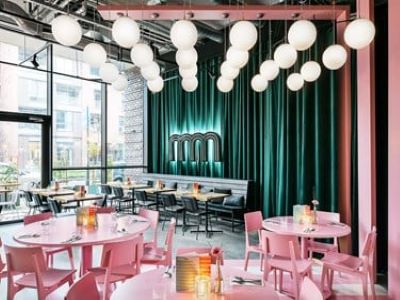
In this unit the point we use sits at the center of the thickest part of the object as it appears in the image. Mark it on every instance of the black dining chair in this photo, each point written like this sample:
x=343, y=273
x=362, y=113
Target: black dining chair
x=106, y=189
x=39, y=204
x=192, y=211
x=143, y=201
x=120, y=198
x=29, y=202
x=170, y=208
x=55, y=206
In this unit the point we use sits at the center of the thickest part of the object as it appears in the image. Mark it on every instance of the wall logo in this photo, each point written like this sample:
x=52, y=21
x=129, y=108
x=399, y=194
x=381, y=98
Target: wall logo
x=191, y=139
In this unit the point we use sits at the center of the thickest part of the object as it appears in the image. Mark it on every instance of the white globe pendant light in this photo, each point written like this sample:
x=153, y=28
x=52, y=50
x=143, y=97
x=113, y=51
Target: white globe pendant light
x=108, y=72
x=150, y=71
x=302, y=34
x=285, y=56
x=269, y=69
x=334, y=57
x=190, y=84
x=156, y=85
x=259, y=83
x=125, y=32
x=183, y=34
x=141, y=55
x=66, y=30
x=228, y=71
x=121, y=83
x=295, y=82
x=237, y=58
x=310, y=71
x=186, y=58
x=243, y=35
x=224, y=85
x=94, y=54
x=188, y=72
x=359, y=33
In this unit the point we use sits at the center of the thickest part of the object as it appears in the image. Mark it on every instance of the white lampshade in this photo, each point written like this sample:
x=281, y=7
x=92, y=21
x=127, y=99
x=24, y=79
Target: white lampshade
x=359, y=33
x=94, y=54
x=186, y=58
x=243, y=35
x=108, y=72
x=121, y=83
x=269, y=69
x=190, y=84
x=224, y=85
x=150, y=71
x=302, y=34
x=183, y=34
x=125, y=32
x=66, y=30
x=310, y=71
x=156, y=85
x=334, y=57
x=188, y=72
x=285, y=56
x=228, y=71
x=141, y=55
x=259, y=83
x=237, y=58
x=295, y=82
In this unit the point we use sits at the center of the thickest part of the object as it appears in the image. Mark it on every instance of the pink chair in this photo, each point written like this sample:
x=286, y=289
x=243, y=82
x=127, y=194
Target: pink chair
x=30, y=262
x=162, y=255
x=360, y=267
x=105, y=210
x=153, y=217
x=278, y=258
x=119, y=261
x=253, y=223
x=320, y=247
x=3, y=272
x=86, y=286
x=49, y=252
x=200, y=250
x=310, y=291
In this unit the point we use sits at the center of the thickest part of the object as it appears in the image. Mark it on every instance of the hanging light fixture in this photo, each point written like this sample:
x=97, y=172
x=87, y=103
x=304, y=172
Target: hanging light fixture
x=121, y=83
x=259, y=83
x=108, y=72
x=269, y=69
x=156, y=85
x=150, y=71
x=243, y=35
x=186, y=58
x=359, y=33
x=237, y=58
x=295, y=82
x=334, y=57
x=125, y=32
x=310, y=71
x=302, y=34
x=94, y=54
x=66, y=30
x=224, y=85
x=285, y=56
x=190, y=84
x=141, y=55
x=228, y=71
x=183, y=34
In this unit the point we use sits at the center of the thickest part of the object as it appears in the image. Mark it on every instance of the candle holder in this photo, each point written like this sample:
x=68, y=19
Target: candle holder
x=202, y=287
x=195, y=187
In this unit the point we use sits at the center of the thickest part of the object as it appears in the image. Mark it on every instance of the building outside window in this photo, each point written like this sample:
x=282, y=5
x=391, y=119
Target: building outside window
x=67, y=93
x=63, y=121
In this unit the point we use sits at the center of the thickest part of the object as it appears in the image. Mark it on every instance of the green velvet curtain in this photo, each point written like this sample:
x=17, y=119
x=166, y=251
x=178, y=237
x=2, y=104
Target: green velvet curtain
x=285, y=142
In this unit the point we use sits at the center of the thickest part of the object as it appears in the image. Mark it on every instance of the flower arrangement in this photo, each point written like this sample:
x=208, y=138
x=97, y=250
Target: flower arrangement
x=216, y=253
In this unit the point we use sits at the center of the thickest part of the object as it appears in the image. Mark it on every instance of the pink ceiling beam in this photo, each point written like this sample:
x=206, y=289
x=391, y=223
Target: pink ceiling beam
x=394, y=150
x=222, y=12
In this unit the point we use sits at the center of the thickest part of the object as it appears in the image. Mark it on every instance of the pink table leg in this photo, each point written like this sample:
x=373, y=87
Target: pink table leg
x=87, y=258
x=303, y=248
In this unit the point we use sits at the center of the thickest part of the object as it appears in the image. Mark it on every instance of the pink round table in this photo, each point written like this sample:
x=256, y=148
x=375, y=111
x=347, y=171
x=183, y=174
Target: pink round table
x=324, y=229
x=59, y=232
x=155, y=285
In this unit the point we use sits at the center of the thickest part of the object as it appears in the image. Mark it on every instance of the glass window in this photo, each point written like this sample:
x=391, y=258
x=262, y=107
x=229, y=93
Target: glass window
x=66, y=92
x=63, y=120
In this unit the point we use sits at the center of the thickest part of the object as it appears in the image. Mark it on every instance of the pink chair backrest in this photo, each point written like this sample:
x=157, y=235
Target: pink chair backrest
x=122, y=253
x=152, y=216
x=294, y=249
x=37, y=218
x=328, y=216
x=84, y=288
x=169, y=241
x=369, y=246
x=278, y=244
x=310, y=291
x=201, y=250
x=2, y=263
x=24, y=259
x=105, y=210
x=253, y=221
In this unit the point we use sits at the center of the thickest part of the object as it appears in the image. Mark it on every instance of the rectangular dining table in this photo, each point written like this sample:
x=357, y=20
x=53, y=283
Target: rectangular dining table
x=128, y=186
x=202, y=197
x=52, y=192
x=75, y=198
